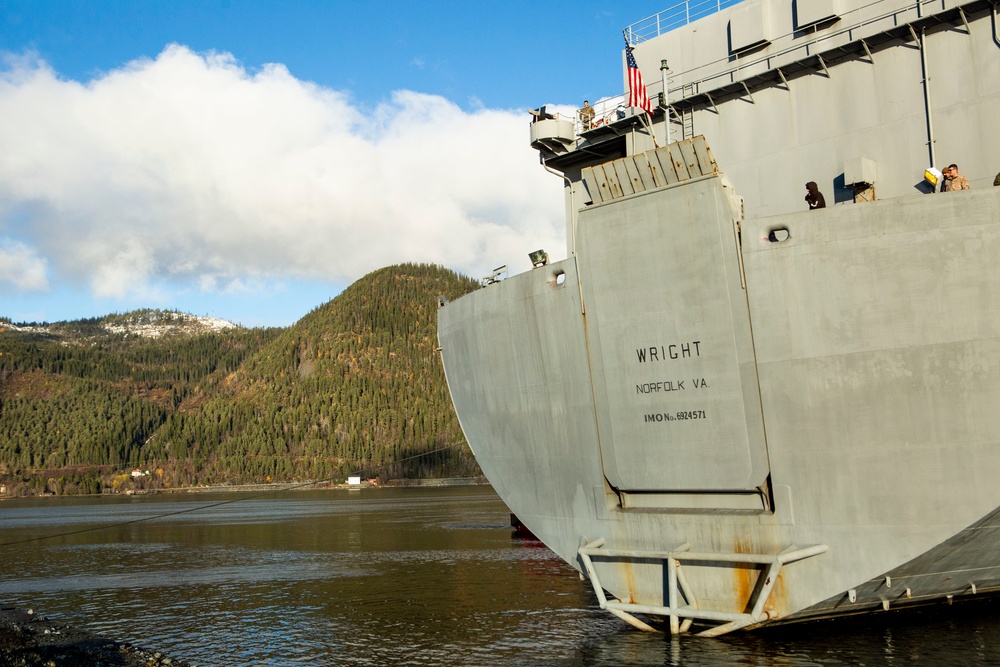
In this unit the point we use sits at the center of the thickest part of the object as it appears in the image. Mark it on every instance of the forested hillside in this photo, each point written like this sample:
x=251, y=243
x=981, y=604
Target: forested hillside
x=354, y=386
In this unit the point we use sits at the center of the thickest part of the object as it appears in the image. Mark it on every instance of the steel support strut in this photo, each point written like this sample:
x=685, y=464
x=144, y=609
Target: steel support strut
x=682, y=603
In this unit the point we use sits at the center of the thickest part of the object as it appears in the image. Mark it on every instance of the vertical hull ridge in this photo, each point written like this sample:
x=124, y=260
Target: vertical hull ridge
x=727, y=411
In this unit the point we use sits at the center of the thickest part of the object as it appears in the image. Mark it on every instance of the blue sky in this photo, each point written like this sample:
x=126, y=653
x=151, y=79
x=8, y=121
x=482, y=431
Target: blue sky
x=249, y=160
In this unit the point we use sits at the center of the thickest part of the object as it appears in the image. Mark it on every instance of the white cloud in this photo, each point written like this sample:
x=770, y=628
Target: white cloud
x=189, y=169
x=21, y=266
x=124, y=274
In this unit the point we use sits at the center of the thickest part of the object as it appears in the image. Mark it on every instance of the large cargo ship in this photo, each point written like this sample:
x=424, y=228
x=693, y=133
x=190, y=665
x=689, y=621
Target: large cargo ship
x=728, y=409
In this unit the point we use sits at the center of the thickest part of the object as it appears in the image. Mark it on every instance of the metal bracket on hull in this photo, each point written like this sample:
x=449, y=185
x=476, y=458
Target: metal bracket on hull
x=677, y=586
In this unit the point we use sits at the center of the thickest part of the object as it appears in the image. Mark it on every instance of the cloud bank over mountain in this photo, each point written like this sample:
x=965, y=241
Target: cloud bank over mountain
x=188, y=170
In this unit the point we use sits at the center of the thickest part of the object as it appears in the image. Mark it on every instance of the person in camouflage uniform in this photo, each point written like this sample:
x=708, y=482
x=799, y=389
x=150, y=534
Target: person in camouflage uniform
x=587, y=116
x=953, y=180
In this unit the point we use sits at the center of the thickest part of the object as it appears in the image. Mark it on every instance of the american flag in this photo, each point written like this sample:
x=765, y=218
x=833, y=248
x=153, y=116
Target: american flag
x=637, y=96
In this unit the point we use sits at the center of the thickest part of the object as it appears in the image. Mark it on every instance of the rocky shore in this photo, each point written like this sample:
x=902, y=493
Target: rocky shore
x=28, y=639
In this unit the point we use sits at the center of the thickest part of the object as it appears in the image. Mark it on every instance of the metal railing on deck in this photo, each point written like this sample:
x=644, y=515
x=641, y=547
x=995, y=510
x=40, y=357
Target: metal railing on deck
x=675, y=16
x=706, y=77
x=852, y=23
x=606, y=111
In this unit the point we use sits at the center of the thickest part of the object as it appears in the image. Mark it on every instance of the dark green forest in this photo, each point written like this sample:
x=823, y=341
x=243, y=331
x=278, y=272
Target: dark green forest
x=354, y=387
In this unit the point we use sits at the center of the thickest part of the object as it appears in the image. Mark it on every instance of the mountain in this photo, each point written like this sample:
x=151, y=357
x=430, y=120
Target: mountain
x=356, y=386
x=147, y=323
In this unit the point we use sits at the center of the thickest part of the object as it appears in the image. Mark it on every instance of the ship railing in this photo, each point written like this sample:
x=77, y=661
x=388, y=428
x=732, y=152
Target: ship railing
x=607, y=110
x=682, y=603
x=675, y=16
x=560, y=132
x=855, y=25
x=498, y=274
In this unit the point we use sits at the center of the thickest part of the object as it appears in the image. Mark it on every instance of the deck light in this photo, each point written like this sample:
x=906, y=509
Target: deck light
x=538, y=258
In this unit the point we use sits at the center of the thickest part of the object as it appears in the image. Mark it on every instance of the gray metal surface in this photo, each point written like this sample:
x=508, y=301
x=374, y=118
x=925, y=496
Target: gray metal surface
x=839, y=384
x=671, y=351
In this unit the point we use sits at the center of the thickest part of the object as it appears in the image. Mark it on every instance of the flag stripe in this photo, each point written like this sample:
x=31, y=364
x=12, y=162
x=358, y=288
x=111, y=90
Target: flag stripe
x=637, y=96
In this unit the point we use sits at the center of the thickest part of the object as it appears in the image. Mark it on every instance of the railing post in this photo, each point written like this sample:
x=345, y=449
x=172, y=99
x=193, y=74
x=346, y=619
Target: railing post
x=672, y=602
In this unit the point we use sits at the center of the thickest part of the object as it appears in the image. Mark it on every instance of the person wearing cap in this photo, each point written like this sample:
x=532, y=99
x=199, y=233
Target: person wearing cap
x=953, y=180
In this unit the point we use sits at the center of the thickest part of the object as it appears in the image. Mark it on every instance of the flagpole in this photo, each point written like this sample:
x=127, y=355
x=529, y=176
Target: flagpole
x=648, y=124
x=638, y=93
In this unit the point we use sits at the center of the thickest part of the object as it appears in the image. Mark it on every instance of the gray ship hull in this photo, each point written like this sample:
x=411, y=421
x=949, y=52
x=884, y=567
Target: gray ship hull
x=727, y=417
x=684, y=385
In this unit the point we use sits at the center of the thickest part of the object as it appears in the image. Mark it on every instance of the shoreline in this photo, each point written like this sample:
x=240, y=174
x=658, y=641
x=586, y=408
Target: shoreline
x=321, y=486
x=29, y=639
x=274, y=487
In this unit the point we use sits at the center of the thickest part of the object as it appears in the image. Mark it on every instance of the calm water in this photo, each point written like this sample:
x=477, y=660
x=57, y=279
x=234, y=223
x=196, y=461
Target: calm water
x=387, y=577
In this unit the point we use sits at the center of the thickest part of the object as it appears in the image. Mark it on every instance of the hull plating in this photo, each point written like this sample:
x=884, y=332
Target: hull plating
x=844, y=381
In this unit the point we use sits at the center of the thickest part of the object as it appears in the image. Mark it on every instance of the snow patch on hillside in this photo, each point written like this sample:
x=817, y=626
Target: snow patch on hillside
x=148, y=324
x=171, y=324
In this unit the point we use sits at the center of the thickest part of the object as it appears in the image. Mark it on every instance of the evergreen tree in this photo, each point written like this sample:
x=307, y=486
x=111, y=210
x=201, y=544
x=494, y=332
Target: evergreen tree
x=355, y=385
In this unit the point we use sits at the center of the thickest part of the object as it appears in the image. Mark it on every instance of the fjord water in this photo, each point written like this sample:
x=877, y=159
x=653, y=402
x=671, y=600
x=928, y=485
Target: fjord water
x=384, y=577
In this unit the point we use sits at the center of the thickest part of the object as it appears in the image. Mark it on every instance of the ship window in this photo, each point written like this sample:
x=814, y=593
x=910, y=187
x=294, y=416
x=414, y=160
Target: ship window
x=560, y=278
x=777, y=235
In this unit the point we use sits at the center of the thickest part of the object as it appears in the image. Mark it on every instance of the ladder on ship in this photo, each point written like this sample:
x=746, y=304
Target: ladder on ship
x=682, y=602
x=687, y=114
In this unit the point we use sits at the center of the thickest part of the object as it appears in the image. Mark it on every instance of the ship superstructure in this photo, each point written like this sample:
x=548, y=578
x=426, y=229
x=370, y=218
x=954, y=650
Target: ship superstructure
x=727, y=409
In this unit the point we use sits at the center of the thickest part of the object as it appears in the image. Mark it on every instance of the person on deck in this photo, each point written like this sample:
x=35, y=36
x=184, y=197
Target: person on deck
x=814, y=197
x=587, y=115
x=953, y=180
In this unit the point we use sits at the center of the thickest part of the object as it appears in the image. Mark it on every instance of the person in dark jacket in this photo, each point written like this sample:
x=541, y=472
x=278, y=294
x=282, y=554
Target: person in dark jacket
x=814, y=197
